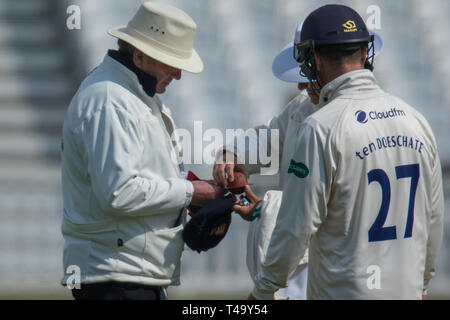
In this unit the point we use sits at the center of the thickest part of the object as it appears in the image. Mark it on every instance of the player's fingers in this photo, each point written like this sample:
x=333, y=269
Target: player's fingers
x=237, y=208
x=252, y=206
x=246, y=212
x=215, y=172
x=254, y=199
x=242, y=211
x=219, y=174
x=229, y=169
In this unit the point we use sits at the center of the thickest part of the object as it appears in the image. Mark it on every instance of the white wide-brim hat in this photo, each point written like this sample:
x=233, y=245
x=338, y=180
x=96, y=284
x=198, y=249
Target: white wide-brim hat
x=286, y=68
x=164, y=33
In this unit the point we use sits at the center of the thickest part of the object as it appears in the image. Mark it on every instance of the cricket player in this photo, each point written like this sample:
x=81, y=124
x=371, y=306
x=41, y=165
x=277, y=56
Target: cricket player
x=288, y=122
x=364, y=185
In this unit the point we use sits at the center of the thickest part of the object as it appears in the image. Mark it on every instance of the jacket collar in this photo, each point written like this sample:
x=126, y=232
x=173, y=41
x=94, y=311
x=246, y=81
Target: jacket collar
x=129, y=79
x=354, y=82
x=147, y=81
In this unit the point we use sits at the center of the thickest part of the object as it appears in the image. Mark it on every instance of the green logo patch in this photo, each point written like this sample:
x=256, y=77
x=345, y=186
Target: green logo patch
x=298, y=168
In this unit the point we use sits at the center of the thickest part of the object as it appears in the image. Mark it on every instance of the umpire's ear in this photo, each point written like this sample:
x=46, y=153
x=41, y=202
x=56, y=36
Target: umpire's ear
x=139, y=58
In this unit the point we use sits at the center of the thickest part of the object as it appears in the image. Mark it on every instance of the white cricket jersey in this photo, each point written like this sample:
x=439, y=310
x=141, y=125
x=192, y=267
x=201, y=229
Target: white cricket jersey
x=287, y=124
x=364, y=190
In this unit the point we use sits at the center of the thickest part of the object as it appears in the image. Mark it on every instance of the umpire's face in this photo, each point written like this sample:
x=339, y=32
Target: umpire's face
x=163, y=73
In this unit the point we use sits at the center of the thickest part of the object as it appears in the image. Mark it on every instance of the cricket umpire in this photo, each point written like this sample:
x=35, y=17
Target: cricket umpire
x=364, y=188
x=124, y=192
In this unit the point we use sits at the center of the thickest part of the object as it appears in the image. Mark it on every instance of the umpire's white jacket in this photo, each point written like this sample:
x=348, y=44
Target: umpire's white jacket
x=364, y=189
x=123, y=189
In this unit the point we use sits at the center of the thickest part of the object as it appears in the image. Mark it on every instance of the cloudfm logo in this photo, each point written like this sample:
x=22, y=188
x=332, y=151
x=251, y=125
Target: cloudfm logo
x=361, y=116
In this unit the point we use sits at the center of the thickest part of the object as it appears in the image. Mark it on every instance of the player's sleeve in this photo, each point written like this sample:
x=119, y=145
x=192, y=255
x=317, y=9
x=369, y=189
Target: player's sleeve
x=303, y=208
x=260, y=148
x=257, y=147
x=435, y=229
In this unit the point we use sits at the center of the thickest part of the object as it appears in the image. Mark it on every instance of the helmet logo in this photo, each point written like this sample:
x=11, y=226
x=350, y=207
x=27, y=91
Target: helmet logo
x=350, y=26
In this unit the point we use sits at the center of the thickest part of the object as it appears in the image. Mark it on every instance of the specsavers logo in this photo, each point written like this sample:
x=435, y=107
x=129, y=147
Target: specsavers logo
x=350, y=26
x=299, y=169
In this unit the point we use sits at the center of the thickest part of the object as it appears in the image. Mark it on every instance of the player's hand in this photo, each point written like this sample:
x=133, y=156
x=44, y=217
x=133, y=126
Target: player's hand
x=246, y=212
x=223, y=172
x=205, y=191
x=251, y=297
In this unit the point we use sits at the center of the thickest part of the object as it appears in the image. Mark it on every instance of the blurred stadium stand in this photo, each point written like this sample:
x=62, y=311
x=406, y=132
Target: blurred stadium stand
x=42, y=64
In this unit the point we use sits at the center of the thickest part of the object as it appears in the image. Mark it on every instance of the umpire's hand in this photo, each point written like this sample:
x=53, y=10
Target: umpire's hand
x=205, y=191
x=223, y=171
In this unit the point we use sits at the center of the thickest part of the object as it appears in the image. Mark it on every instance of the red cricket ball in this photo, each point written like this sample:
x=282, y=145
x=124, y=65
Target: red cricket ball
x=238, y=184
